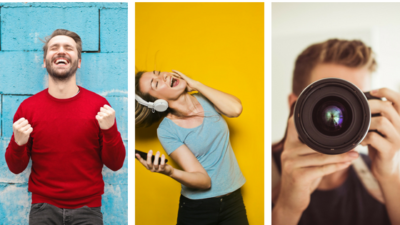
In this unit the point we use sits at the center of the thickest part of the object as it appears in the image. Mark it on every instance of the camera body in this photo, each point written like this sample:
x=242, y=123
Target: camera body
x=332, y=115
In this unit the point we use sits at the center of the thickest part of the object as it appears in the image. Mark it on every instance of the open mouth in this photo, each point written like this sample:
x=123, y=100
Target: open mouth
x=61, y=61
x=174, y=82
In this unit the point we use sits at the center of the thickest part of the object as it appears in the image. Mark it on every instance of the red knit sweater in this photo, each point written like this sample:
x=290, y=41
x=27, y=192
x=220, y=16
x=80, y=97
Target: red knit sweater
x=68, y=149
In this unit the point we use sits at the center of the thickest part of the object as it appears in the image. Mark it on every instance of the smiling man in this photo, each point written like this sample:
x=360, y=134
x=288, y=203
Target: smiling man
x=69, y=133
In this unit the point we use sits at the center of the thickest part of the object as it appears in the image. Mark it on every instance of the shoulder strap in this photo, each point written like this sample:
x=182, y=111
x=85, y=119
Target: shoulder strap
x=367, y=179
x=362, y=171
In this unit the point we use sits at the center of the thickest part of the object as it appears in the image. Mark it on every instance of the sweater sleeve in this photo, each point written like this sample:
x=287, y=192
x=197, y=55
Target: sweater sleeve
x=17, y=157
x=113, y=149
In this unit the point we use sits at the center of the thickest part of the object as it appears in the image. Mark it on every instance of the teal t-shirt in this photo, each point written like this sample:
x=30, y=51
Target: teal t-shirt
x=210, y=143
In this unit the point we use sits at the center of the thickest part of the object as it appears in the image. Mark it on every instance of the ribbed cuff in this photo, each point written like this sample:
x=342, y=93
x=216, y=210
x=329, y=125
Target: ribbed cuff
x=110, y=133
x=16, y=147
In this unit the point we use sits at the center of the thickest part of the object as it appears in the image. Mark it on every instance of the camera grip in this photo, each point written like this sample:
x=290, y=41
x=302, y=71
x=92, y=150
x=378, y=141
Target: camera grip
x=369, y=96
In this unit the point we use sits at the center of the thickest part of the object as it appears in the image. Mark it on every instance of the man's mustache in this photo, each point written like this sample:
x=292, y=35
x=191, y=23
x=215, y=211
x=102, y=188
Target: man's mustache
x=61, y=56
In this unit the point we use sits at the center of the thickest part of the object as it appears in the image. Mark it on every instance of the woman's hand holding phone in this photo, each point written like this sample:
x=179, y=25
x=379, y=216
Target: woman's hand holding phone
x=157, y=165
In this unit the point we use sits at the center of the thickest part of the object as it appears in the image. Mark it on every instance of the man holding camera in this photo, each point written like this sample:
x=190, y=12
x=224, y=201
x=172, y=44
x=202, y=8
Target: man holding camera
x=324, y=189
x=69, y=133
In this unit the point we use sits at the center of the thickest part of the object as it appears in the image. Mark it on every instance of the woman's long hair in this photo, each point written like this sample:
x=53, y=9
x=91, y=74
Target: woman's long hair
x=144, y=115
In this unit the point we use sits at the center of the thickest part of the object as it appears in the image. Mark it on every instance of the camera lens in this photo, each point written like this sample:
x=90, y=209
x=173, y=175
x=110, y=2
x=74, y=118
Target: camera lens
x=332, y=116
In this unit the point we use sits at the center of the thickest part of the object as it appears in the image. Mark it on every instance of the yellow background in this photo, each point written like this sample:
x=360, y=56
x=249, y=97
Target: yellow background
x=222, y=46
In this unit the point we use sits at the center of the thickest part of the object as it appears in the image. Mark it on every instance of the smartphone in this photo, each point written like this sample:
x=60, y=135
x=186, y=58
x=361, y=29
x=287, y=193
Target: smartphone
x=144, y=156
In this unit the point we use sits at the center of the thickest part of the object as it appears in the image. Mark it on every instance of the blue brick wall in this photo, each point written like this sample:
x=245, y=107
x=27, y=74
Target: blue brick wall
x=103, y=28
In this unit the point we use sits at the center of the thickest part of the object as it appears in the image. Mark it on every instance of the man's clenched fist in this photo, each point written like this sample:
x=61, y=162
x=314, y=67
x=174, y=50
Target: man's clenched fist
x=106, y=117
x=22, y=129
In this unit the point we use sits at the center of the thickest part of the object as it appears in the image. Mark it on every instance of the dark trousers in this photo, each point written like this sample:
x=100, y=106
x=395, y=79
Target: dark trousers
x=46, y=214
x=226, y=210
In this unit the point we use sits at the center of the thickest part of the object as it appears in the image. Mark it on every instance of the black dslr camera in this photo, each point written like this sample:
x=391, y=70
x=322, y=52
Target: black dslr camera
x=332, y=116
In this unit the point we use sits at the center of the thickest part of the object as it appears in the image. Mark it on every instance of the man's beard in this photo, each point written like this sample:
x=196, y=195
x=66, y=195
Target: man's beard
x=63, y=75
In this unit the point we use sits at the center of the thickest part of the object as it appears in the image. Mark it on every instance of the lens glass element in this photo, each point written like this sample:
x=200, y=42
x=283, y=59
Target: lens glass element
x=332, y=116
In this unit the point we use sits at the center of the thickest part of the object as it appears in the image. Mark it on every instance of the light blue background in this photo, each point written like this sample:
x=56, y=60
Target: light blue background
x=103, y=28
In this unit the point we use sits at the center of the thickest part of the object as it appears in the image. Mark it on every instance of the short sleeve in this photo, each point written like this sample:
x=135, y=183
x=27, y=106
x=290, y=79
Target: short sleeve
x=169, y=141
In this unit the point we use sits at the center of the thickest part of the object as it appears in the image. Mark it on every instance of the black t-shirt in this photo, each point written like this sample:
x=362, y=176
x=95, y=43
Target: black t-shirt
x=348, y=204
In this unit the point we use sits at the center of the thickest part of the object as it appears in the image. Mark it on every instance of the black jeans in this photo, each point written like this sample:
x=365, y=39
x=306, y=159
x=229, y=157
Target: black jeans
x=47, y=214
x=226, y=210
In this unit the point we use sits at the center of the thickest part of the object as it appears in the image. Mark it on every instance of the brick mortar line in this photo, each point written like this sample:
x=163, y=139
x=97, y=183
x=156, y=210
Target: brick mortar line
x=99, y=32
x=11, y=183
x=13, y=95
x=59, y=7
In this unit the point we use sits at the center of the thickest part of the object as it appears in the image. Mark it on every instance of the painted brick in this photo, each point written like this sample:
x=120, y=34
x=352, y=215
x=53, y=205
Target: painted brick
x=22, y=72
x=10, y=105
x=114, y=30
x=115, y=204
x=102, y=5
x=6, y=176
x=1, y=115
x=22, y=27
x=105, y=74
x=15, y=204
x=120, y=176
x=120, y=105
x=0, y=27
